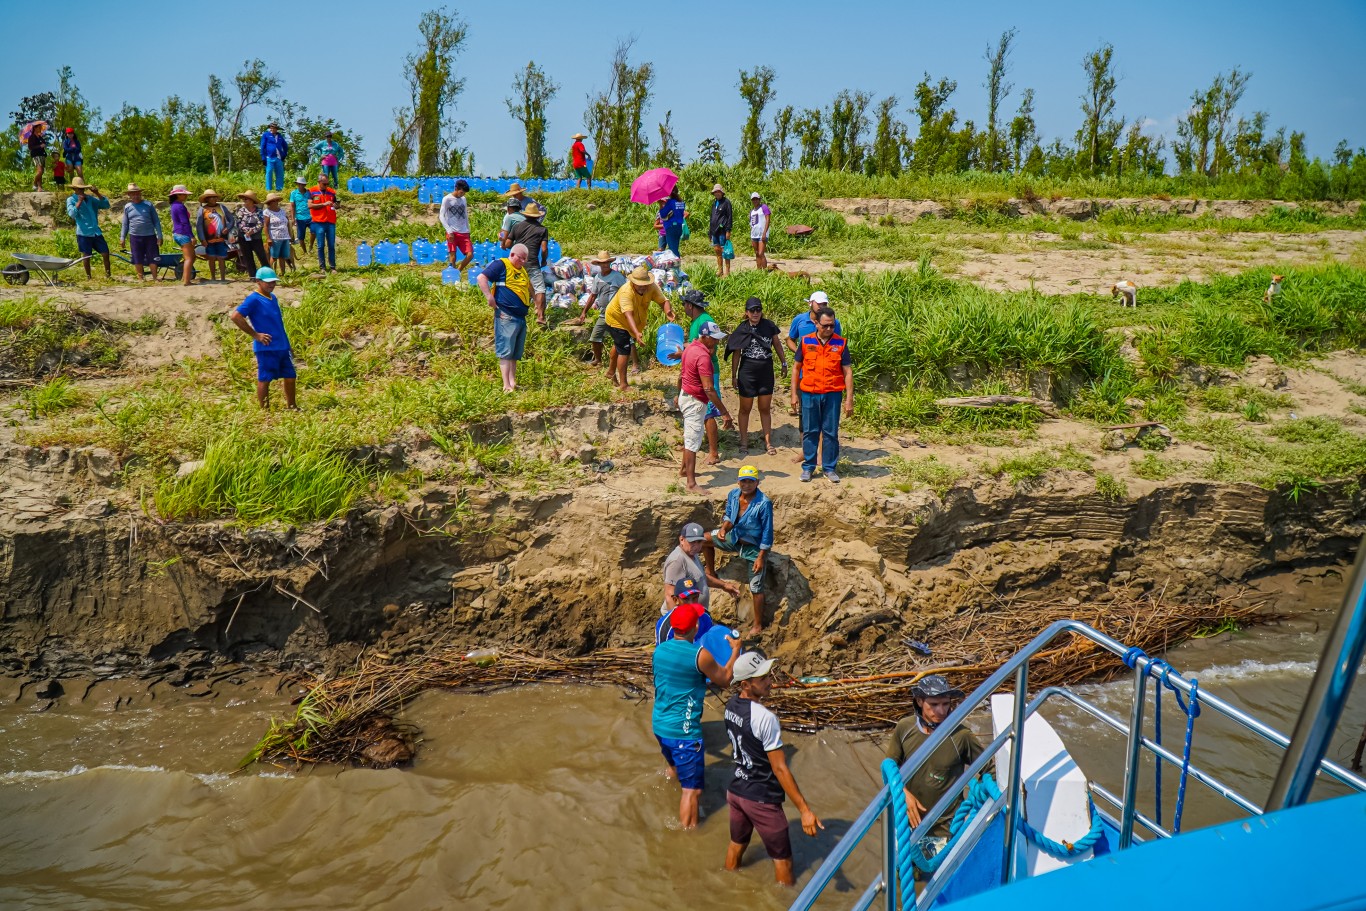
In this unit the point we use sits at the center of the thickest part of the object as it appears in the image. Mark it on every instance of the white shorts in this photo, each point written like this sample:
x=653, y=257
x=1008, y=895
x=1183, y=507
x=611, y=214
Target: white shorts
x=694, y=422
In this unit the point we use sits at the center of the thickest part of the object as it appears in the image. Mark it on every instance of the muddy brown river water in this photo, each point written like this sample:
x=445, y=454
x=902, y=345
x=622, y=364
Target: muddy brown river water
x=543, y=797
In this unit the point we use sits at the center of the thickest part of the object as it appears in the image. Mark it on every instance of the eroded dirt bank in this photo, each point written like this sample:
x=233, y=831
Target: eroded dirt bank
x=87, y=584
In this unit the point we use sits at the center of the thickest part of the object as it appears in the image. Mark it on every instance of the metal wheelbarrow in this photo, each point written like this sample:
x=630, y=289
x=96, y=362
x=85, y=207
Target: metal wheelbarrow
x=163, y=262
x=46, y=266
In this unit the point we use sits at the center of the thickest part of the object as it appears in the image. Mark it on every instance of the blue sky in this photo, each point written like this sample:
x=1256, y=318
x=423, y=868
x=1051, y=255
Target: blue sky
x=1307, y=62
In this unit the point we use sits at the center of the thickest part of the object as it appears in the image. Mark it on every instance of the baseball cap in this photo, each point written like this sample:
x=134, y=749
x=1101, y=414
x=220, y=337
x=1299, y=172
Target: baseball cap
x=818, y=297
x=266, y=274
x=696, y=298
x=755, y=196
x=687, y=588
x=711, y=330
x=514, y=203
x=685, y=615
x=754, y=304
x=748, y=471
x=692, y=532
x=751, y=665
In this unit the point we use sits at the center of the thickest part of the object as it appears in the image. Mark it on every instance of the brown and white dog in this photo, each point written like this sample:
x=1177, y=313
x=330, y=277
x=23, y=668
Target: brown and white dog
x=1274, y=289
x=1127, y=291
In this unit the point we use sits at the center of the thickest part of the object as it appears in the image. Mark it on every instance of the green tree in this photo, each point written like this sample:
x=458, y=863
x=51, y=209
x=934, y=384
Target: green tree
x=711, y=152
x=757, y=90
x=1140, y=154
x=998, y=65
x=667, y=156
x=72, y=109
x=1099, y=130
x=780, y=138
x=615, y=116
x=532, y=90
x=848, y=123
x=1024, y=132
x=933, y=149
x=253, y=85
x=888, y=139
x=810, y=130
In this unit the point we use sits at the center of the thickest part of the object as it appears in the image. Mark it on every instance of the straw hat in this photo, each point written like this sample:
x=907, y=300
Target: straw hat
x=248, y=194
x=640, y=277
x=180, y=190
x=133, y=188
x=533, y=211
x=273, y=197
x=209, y=194
x=515, y=189
x=602, y=257
x=580, y=136
x=78, y=184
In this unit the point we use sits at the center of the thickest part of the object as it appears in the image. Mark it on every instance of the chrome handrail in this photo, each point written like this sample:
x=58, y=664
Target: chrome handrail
x=1017, y=665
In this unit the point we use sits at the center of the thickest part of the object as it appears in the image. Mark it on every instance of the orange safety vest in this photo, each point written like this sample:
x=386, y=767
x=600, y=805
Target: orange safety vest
x=821, y=368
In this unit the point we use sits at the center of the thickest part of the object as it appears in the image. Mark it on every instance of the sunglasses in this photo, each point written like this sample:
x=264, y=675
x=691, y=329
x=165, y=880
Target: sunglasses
x=754, y=309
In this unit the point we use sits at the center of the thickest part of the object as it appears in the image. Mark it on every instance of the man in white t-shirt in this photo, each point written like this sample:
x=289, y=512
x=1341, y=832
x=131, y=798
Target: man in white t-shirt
x=758, y=229
x=455, y=218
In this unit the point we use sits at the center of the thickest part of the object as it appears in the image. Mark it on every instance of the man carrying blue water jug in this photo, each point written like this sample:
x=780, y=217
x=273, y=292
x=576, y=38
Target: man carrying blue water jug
x=681, y=671
x=507, y=288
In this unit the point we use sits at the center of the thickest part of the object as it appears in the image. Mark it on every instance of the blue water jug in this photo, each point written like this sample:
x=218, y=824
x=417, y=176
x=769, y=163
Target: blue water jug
x=450, y=276
x=714, y=641
x=424, y=195
x=421, y=251
x=473, y=273
x=363, y=254
x=381, y=255
x=401, y=253
x=355, y=185
x=669, y=344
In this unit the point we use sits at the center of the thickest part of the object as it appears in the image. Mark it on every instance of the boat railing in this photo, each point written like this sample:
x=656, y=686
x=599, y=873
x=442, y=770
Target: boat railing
x=1125, y=804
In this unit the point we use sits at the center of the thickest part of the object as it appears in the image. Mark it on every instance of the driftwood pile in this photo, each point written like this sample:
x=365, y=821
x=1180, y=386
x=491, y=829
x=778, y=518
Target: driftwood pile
x=351, y=718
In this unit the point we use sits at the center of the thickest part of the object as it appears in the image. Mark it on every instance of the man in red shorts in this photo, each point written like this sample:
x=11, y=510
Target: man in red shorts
x=455, y=218
x=762, y=777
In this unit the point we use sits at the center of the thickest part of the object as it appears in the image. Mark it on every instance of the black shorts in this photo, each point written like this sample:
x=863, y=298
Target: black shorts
x=621, y=340
x=754, y=378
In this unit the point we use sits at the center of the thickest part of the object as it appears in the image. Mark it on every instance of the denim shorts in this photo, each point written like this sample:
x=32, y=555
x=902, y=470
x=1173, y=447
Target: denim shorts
x=687, y=757
x=216, y=250
x=279, y=249
x=182, y=239
x=747, y=551
x=274, y=365
x=92, y=245
x=509, y=337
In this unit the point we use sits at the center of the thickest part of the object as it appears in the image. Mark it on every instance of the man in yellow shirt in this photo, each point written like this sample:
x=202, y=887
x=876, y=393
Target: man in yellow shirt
x=626, y=316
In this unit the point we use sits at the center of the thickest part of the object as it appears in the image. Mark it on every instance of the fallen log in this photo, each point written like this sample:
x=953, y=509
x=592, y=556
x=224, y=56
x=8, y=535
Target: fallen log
x=997, y=401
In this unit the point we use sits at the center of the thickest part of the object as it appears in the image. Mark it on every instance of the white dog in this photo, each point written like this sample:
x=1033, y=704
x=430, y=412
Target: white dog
x=1274, y=289
x=1127, y=290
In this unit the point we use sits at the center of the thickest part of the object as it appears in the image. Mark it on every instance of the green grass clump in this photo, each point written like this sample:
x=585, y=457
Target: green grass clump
x=927, y=472
x=1022, y=469
x=1110, y=487
x=1289, y=455
x=39, y=338
x=1152, y=467
x=56, y=395
x=653, y=446
x=297, y=482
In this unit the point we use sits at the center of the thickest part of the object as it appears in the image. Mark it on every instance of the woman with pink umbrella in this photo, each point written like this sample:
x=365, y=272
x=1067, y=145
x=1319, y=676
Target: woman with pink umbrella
x=34, y=135
x=661, y=185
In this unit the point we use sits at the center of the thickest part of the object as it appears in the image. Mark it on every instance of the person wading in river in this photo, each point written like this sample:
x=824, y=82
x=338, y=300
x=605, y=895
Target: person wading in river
x=761, y=778
x=934, y=700
x=681, y=671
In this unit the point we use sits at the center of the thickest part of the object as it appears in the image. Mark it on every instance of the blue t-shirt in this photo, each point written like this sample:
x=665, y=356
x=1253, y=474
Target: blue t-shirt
x=803, y=324
x=671, y=213
x=507, y=299
x=680, y=689
x=264, y=315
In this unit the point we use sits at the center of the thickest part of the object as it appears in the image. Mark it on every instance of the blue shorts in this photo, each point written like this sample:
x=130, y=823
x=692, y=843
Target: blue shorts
x=274, y=365
x=182, y=239
x=713, y=413
x=216, y=250
x=718, y=239
x=91, y=245
x=279, y=249
x=509, y=337
x=73, y=161
x=747, y=551
x=686, y=757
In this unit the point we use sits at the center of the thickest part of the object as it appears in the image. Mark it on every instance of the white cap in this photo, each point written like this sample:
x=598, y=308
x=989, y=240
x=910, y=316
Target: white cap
x=711, y=330
x=755, y=196
x=751, y=665
x=818, y=297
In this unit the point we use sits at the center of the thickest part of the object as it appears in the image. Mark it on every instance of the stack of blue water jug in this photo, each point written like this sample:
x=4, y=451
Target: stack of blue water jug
x=431, y=189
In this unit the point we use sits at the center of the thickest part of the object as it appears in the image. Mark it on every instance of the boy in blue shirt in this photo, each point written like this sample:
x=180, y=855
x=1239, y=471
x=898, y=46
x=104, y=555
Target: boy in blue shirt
x=260, y=317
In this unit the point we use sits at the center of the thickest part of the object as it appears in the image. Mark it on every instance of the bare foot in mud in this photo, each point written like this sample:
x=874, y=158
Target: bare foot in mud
x=755, y=632
x=693, y=488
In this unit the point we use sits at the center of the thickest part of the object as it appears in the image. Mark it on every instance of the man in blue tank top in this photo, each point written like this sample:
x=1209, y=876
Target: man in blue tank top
x=681, y=671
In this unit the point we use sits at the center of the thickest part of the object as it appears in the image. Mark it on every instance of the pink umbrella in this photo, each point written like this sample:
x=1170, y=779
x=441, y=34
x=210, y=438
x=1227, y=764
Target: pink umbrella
x=29, y=128
x=653, y=186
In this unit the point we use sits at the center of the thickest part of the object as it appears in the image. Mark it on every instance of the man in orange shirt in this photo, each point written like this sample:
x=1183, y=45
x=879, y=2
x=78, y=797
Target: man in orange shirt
x=824, y=377
x=322, y=204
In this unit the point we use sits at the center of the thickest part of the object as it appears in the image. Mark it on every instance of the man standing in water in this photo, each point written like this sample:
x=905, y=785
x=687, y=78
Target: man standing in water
x=762, y=778
x=681, y=671
x=934, y=700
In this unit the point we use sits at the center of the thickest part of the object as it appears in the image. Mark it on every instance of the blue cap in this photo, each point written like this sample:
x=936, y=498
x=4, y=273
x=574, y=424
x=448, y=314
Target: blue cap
x=687, y=589
x=266, y=274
